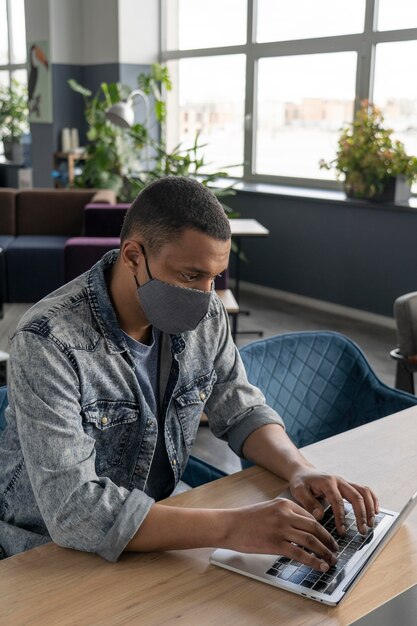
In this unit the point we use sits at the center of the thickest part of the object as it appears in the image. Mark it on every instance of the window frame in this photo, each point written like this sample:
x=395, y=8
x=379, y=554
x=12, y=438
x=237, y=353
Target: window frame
x=364, y=44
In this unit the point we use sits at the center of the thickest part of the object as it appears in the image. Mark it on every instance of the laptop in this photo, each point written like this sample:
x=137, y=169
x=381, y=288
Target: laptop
x=356, y=553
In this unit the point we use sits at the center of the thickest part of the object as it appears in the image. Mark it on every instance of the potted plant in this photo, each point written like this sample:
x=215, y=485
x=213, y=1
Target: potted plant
x=14, y=114
x=372, y=164
x=111, y=151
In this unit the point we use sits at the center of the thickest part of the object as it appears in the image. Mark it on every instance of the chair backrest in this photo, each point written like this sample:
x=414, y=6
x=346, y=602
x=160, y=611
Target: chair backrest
x=320, y=383
x=3, y=405
x=405, y=313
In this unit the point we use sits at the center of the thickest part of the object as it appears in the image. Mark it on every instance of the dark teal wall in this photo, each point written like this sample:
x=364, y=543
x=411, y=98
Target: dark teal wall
x=350, y=253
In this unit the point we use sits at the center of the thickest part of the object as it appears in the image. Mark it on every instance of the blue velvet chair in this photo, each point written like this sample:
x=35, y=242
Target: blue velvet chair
x=320, y=383
x=197, y=472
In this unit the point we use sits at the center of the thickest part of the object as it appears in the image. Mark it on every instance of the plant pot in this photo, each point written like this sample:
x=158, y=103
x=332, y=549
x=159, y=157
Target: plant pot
x=396, y=191
x=13, y=150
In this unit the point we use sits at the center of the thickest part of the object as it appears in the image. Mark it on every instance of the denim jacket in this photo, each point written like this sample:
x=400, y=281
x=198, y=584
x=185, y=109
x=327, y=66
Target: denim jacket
x=80, y=437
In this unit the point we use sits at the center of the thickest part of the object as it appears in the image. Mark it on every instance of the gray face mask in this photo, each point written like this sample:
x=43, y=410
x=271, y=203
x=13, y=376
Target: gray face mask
x=170, y=308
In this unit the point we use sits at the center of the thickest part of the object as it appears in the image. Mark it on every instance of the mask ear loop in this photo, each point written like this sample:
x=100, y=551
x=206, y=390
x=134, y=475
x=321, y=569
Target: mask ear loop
x=146, y=263
x=147, y=268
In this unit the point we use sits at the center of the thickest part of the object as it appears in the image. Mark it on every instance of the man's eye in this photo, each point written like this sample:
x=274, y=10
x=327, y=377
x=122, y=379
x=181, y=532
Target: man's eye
x=188, y=277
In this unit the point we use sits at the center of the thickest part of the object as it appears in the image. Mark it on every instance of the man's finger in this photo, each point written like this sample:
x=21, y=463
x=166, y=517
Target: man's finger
x=308, y=501
x=335, y=499
x=355, y=498
x=364, y=513
x=313, y=527
x=293, y=551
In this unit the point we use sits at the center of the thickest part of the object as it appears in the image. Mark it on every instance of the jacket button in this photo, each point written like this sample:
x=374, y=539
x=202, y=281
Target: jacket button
x=149, y=422
x=202, y=396
x=104, y=420
x=174, y=461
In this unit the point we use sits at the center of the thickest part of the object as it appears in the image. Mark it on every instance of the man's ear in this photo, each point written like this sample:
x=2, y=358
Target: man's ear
x=131, y=254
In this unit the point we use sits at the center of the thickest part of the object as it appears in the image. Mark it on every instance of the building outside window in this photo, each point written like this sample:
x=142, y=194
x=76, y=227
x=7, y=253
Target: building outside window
x=268, y=84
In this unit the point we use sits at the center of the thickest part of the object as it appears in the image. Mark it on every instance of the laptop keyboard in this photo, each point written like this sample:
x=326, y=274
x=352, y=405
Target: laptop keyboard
x=297, y=573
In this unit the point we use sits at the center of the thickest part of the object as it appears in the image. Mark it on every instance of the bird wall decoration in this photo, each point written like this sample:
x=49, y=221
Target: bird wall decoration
x=37, y=58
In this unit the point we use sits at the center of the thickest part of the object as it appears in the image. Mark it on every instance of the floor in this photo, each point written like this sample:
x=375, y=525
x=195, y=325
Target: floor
x=272, y=317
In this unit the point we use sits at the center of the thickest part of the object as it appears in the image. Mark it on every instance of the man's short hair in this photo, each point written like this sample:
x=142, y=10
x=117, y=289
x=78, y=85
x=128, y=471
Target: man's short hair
x=168, y=206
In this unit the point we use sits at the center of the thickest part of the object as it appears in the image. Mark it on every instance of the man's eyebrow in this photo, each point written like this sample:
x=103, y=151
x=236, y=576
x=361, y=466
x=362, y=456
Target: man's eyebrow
x=196, y=270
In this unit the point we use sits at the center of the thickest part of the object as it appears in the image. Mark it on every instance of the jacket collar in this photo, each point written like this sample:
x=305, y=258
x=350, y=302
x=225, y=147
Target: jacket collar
x=101, y=305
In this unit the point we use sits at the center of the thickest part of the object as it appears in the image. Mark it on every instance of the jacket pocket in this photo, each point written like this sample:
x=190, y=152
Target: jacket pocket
x=189, y=403
x=110, y=424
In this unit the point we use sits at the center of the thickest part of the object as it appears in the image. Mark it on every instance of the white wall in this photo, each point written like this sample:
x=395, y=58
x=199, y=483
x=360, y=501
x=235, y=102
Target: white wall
x=67, y=31
x=138, y=31
x=37, y=20
x=89, y=32
x=101, y=34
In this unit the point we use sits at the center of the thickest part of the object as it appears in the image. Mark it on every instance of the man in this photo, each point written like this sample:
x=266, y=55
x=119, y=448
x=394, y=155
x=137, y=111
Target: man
x=109, y=377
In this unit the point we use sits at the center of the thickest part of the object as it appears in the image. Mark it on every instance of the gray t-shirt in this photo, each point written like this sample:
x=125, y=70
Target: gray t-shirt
x=160, y=481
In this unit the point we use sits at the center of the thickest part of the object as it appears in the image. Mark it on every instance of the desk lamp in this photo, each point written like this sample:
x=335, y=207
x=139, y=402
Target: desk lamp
x=122, y=114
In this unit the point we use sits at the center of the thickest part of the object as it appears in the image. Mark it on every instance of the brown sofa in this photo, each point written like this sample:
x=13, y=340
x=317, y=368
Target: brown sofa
x=34, y=227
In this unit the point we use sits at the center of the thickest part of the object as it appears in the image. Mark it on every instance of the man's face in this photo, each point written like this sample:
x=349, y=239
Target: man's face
x=192, y=260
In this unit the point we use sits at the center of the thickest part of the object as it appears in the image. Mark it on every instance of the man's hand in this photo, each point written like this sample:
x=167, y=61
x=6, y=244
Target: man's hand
x=307, y=485
x=274, y=527
x=270, y=447
x=281, y=527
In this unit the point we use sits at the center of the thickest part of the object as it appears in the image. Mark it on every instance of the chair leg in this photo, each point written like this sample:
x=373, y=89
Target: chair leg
x=404, y=378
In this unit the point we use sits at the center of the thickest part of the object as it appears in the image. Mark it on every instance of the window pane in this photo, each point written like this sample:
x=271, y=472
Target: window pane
x=393, y=14
x=302, y=103
x=193, y=24
x=208, y=97
x=394, y=93
x=4, y=43
x=21, y=76
x=4, y=78
x=18, y=31
x=280, y=20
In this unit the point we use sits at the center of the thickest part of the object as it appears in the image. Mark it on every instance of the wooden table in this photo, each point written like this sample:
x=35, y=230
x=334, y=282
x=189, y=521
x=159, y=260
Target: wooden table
x=53, y=586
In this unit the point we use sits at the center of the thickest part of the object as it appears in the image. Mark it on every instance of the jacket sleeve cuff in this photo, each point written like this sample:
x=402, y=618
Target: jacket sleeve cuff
x=129, y=519
x=254, y=419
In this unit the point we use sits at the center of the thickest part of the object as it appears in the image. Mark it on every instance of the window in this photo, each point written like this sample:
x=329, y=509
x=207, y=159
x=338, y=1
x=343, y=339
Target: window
x=208, y=100
x=12, y=44
x=12, y=41
x=200, y=24
x=280, y=20
x=296, y=124
x=268, y=84
x=396, y=14
x=394, y=93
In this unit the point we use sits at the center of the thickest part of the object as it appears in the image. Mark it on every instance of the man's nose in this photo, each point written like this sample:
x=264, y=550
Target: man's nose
x=205, y=284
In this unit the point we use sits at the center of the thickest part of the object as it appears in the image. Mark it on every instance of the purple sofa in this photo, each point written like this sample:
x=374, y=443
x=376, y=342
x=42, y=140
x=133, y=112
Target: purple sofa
x=102, y=226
